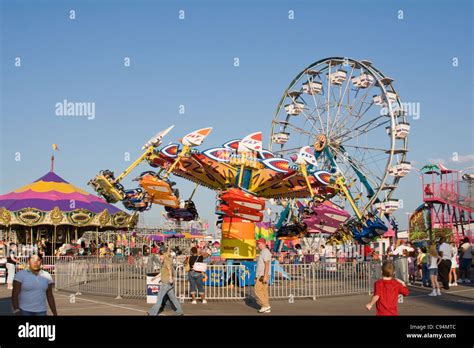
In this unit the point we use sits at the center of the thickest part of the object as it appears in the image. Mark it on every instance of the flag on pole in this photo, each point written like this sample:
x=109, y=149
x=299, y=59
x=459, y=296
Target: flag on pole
x=55, y=147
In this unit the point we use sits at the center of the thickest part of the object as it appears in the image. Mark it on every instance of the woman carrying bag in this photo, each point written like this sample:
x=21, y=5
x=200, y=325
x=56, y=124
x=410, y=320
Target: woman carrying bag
x=194, y=267
x=12, y=261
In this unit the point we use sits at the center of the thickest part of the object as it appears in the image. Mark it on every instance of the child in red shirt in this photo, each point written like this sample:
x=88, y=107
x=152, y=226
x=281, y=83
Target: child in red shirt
x=386, y=291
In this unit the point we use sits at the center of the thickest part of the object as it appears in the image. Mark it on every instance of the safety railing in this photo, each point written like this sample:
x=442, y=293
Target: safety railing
x=224, y=282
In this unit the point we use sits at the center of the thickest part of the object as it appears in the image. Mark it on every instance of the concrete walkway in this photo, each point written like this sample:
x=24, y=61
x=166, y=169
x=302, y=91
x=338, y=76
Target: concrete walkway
x=456, y=301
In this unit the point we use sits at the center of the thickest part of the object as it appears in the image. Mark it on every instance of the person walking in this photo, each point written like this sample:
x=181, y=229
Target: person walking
x=454, y=265
x=263, y=276
x=434, y=261
x=32, y=287
x=425, y=272
x=195, y=277
x=444, y=266
x=166, y=286
x=466, y=260
x=12, y=261
x=386, y=292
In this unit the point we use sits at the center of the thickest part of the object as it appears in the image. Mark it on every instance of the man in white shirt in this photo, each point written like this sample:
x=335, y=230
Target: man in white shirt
x=444, y=266
x=402, y=247
x=262, y=276
x=31, y=288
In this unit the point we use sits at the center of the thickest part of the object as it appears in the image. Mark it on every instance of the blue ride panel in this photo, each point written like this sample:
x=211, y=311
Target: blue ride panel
x=215, y=278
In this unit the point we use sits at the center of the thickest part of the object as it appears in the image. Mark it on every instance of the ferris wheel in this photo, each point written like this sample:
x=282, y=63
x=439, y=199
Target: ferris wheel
x=350, y=114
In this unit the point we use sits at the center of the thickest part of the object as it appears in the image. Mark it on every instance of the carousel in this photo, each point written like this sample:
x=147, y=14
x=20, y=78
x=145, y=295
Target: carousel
x=54, y=210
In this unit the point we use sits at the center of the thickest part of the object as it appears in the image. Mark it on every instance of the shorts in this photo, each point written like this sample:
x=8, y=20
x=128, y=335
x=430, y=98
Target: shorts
x=454, y=264
x=433, y=272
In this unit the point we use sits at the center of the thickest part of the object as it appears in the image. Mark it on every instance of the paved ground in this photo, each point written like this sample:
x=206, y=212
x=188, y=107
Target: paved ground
x=456, y=301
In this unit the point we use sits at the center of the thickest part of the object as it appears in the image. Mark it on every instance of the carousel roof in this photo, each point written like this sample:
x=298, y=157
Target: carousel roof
x=51, y=191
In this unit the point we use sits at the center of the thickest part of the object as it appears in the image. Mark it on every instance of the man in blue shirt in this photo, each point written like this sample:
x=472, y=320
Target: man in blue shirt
x=31, y=288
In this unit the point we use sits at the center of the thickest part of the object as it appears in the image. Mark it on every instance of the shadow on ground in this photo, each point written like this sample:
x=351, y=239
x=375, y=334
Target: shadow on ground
x=251, y=302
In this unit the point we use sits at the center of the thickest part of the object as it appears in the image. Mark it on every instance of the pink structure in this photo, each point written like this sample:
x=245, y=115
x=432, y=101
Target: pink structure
x=448, y=199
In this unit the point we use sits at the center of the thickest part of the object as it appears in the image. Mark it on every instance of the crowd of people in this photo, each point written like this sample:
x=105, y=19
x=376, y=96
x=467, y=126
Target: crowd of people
x=436, y=265
x=447, y=262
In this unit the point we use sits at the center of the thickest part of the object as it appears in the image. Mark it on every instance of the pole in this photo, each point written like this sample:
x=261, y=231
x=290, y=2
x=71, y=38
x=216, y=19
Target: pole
x=430, y=226
x=194, y=191
x=54, y=240
x=242, y=168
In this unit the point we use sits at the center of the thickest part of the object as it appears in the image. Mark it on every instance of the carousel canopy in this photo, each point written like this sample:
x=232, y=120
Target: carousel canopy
x=52, y=191
x=51, y=200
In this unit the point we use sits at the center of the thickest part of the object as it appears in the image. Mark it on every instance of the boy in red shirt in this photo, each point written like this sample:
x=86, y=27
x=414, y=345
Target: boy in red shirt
x=386, y=291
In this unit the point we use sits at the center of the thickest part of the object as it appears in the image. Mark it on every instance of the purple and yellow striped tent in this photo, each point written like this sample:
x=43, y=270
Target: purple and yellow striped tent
x=51, y=191
x=51, y=202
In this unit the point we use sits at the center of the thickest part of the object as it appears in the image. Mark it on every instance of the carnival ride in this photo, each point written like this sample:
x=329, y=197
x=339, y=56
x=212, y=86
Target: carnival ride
x=346, y=151
x=447, y=202
x=350, y=114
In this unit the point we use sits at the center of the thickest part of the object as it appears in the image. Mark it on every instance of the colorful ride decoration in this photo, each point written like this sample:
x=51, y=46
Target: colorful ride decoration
x=447, y=202
x=245, y=174
x=54, y=209
x=265, y=230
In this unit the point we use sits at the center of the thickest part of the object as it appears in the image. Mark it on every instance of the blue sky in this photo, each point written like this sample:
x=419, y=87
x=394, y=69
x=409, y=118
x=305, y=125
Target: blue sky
x=190, y=62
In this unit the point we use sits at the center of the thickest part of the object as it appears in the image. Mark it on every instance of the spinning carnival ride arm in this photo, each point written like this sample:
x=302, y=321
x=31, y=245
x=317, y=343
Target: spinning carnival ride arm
x=340, y=182
x=361, y=177
x=283, y=217
x=183, y=153
x=242, y=168
x=127, y=171
x=305, y=174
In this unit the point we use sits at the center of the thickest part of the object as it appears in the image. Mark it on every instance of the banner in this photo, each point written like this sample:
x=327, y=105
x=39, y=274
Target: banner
x=238, y=249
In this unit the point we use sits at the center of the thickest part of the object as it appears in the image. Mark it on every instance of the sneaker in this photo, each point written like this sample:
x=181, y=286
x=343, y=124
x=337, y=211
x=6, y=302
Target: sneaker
x=460, y=281
x=467, y=281
x=204, y=301
x=264, y=309
x=194, y=302
x=454, y=284
x=433, y=293
x=438, y=291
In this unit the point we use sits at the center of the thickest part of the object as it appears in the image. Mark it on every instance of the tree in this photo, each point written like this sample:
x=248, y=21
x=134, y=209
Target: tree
x=418, y=235
x=442, y=232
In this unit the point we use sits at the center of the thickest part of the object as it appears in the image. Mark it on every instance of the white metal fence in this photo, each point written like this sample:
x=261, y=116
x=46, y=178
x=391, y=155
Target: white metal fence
x=228, y=282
